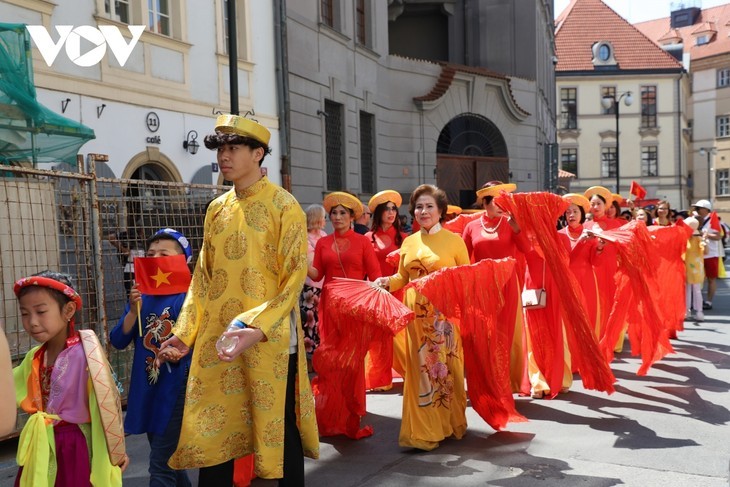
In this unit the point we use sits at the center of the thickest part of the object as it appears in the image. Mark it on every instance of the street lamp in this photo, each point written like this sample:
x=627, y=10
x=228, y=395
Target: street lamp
x=708, y=151
x=607, y=102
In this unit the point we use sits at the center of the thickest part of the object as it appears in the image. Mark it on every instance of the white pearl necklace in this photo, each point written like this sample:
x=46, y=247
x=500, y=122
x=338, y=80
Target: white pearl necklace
x=490, y=230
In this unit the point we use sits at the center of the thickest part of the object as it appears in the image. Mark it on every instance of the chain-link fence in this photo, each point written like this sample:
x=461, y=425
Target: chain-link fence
x=90, y=228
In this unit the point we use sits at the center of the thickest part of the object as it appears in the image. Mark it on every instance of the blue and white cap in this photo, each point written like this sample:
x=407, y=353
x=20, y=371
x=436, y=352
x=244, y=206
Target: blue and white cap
x=180, y=239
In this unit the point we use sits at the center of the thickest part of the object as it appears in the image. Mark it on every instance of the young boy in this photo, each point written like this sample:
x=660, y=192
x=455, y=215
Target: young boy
x=156, y=394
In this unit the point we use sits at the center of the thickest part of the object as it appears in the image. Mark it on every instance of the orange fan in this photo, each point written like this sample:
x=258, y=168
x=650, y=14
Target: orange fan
x=364, y=302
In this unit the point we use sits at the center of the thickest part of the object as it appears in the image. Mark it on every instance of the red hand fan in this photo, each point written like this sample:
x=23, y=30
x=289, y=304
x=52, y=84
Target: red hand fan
x=363, y=301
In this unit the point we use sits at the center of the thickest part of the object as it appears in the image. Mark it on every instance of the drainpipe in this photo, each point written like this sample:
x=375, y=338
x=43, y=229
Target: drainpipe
x=282, y=89
x=679, y=140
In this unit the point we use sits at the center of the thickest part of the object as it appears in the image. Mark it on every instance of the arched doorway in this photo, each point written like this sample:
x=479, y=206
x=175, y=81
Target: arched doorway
x=149, y=205
x=470, y=151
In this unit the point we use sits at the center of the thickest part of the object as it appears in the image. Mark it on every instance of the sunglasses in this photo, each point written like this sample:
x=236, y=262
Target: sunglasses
x=391, y=208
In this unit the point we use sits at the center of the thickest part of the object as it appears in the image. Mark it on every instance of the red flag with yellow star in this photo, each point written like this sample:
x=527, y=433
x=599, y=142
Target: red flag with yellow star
x=162, y=275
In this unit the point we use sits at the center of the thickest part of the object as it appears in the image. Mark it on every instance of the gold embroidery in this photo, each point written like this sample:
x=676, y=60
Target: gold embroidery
x=208, y=356
x=263, y=395
x=218, y=284
x=274, y=433
x=253, y=283
x=233, y=380
x=229, y=310
x=270, y=259
x=283, y=200
x=211, y=420
x=235, y=246
x=281, y=365
x=257, y=216
x=194, y=391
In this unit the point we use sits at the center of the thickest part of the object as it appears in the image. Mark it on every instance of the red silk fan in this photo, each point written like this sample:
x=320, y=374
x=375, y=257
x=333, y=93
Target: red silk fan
x=363, y=301
x=473, y=294
x=393, y=258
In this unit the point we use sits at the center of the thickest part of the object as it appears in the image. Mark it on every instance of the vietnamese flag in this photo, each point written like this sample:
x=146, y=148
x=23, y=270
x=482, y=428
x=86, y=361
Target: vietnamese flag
x=715, y=222
x=162, y=275
x=637, y=190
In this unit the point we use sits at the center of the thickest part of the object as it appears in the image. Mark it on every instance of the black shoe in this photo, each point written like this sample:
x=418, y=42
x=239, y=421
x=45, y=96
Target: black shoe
x=706, y=305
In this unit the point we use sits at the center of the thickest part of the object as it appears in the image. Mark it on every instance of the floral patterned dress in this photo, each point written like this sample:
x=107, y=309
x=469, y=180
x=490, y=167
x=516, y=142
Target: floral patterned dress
x=309, y=301
x=434, y=398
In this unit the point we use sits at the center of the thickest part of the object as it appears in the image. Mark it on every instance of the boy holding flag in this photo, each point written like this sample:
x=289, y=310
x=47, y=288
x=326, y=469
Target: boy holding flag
x=157, y=394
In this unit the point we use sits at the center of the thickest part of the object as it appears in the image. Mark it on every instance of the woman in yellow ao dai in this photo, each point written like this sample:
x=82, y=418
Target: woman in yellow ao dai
x=434, y=398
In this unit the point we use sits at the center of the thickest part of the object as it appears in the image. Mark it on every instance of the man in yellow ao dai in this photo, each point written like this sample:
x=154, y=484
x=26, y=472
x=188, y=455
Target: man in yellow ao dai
x=251, y=268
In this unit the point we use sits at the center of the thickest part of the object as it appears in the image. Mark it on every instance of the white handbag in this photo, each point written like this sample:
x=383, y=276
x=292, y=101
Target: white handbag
x=535, y=298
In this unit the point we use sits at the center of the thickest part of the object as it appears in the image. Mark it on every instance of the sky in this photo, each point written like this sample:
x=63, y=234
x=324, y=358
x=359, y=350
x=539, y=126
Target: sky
x=640, y=10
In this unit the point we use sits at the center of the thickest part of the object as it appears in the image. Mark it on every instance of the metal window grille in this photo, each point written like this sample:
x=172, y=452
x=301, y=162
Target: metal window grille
x=569, y=160
x=649, y=161
x=361, y=21
x=85, y=226
x=367, y=146
x=568, y=108
x=328, y=17
x=608, y=162
x=723, y=182
x=333, y=136
x=648, y=107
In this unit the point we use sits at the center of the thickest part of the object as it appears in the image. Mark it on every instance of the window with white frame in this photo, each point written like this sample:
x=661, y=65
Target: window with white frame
x=158, y=14
x=569, y=160
x=608, y=162
x=648, y=107
x=723, y=126
x=723, y=77
x=163, y=17
x=117, y=10
x=608, y=92
x=722, y=182
x=649, y=161
x=241, y=27
x=568, y=108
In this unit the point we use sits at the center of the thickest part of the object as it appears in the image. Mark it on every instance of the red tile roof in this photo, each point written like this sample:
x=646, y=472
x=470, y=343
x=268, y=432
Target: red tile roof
x=711, y=19
x=585, y=22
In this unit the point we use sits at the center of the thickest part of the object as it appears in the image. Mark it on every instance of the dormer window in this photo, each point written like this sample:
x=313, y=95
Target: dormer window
x=703, y=39
x=603, y=54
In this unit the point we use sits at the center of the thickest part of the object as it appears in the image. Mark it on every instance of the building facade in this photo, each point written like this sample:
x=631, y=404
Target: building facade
x=389, y=95
x=169, y=90
x=622, y=100
x=701, y=36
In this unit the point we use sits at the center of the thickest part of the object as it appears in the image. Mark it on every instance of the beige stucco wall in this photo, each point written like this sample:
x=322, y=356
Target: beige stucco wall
x=596, y=130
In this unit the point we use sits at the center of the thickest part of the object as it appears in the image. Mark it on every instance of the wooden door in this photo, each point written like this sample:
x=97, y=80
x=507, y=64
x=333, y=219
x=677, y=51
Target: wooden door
x=461, y=176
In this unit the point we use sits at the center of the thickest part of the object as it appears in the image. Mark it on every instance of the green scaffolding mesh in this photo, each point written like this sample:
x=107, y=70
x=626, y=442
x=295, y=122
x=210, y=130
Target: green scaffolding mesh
x=30, y=132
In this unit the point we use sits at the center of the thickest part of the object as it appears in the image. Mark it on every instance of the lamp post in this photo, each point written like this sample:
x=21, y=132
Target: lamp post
x=709, y=151
x=607, y=102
